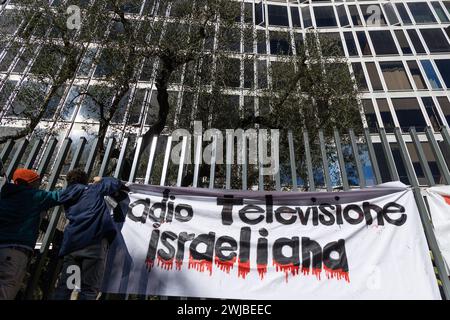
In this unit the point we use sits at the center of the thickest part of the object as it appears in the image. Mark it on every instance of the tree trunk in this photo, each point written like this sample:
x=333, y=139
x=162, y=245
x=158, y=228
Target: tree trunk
x=162, y=82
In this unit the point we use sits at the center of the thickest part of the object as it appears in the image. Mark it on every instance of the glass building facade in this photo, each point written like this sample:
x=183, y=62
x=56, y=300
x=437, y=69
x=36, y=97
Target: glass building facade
x=398, y=51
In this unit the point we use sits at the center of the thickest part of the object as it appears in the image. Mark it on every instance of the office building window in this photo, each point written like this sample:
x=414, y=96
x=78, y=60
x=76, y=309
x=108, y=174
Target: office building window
x=445, y=107
x=249, y=73
x=439, y=11
x=416, y=41
x=298, y=40
x=278, y=15
x=351, y=44
x=435, y=40
x=9, y=22
x=262, y=74
x=363, y=43
x=431, y=74
x=409, y=113
x=332, y=38
x=395, y=76
x=295, y=14
x=6, y=91
x=261, y=42
x=248, y=13
x=373, y=16
x=432, y=112
x=371, y=117
x=279, y=43
x=417, y=75
x=343, y=19
x=403, y=13
x=447, y=5
x=403, y=42
x=386, y=115
x=359, y=76
x=374, y=77
x=306, y=15
x=325, y=17
x=421, y=12
x=355, y=15
x=233, y=66
x=390, y=13
x=444, y=69
x=383, y=42
x=259, y=14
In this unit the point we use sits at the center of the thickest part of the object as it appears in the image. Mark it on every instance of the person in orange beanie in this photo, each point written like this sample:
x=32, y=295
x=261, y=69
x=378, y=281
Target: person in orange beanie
x=21, y=206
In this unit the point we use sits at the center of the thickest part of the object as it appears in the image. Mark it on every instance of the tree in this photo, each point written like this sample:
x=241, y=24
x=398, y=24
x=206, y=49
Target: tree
x=311, y=89
x=308, y=85
x=53, y=54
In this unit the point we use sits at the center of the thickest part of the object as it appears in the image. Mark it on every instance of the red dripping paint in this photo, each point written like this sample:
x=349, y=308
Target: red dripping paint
x=225, y=265
x=149, y=263
x=286, y=268
x=338, y=274
x=178, y=264
x=262, y=270
x=314, y=271
x=200, y=265
x=243, y=268
x=165, y=264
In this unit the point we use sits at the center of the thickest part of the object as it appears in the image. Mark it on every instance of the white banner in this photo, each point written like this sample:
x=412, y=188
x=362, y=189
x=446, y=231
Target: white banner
x=439, y=202
x=365, y=244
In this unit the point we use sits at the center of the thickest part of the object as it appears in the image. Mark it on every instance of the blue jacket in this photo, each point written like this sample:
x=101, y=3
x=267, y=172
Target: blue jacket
x=88, y=214
x=20, y=213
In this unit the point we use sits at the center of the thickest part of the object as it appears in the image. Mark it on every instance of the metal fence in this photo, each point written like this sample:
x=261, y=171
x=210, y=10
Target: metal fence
x=346, y=161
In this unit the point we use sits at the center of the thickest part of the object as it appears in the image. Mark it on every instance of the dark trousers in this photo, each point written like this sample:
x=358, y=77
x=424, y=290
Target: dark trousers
x=90, y=262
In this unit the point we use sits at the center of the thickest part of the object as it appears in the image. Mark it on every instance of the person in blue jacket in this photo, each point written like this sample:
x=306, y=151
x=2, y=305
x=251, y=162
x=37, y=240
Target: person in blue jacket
x=88, y=234
x=21, y=207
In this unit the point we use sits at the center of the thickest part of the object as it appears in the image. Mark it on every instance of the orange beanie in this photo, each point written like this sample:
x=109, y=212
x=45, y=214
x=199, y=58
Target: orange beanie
x=25, y=175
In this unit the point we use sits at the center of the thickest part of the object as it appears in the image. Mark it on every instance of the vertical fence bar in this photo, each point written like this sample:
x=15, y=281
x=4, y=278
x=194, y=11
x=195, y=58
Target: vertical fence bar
x=428, y=227
x=120, y=161
x=91, y=157
x=166, y=161
x=326, y=166
x=292, y=161
x=198, y=159
x=373, y=157
x=7, y=148
x=244, y=162
x=106, y=157
x=212, y=171
x=137, y=155
x=312, y=185
x=275, y=153
x=16, y=158
x=361, y=176
x=277, y=175
x=151, y=159
x=343, y=169
x=261, y=153
x=182, y=160
x=438, y=155
x=422, y=158
x=47, y=156
x=78, y=153
x=33, y=154
x=52, y=223
x=446, y=135
x=389, y=157
x=229, y=160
